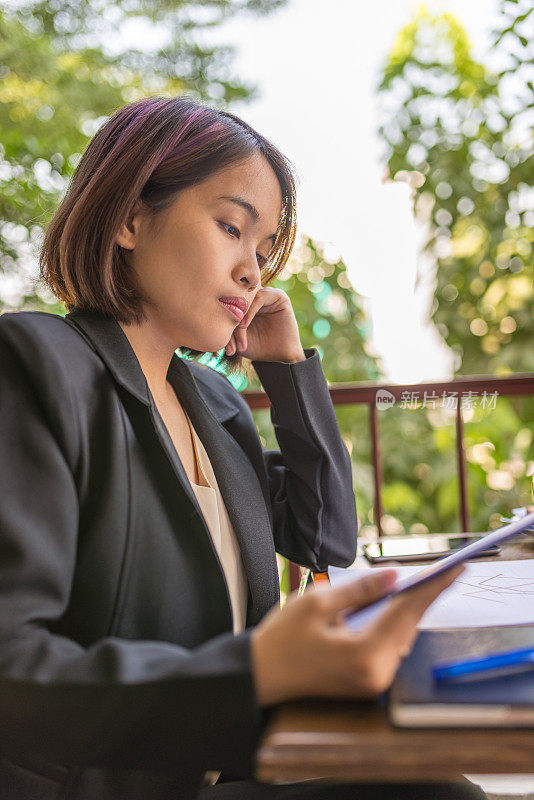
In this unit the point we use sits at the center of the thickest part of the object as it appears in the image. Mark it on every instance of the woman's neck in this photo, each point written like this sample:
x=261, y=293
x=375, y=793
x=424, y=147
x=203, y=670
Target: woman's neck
x=154, y=352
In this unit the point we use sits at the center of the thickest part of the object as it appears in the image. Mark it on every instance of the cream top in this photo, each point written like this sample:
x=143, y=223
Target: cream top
x=222, y=532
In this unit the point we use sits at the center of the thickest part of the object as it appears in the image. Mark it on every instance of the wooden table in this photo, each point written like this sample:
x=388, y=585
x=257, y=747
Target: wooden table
x=347, y=741
x=353, y=741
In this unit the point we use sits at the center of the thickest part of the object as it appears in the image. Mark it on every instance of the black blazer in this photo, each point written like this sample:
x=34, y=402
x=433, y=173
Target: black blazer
x=119, y=673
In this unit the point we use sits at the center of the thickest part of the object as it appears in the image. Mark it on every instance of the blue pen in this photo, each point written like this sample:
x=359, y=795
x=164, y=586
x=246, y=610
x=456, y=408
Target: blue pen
x=489, y=666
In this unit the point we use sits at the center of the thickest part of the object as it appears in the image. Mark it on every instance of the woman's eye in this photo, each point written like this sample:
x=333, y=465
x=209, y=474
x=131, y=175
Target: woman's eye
x=231, y=230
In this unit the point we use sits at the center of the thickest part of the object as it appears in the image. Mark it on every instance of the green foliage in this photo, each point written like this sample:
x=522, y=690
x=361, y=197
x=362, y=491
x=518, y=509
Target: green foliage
x=63, y=70
x=421, y=489
x=330, y=313
x=418, y=445
x=459, y=133
x=497, y=442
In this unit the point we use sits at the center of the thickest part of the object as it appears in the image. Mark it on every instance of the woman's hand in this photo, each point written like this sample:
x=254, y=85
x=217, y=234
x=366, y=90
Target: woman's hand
x=269, y=330
x=306, y=650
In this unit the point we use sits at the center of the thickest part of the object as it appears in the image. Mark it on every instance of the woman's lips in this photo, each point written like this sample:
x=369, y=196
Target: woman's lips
x=237, y=306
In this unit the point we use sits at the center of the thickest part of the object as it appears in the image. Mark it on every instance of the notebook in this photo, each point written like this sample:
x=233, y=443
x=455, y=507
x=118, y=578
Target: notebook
x=415, y=700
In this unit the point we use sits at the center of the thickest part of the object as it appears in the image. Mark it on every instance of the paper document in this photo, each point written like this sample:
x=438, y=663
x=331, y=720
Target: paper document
x=488, y=593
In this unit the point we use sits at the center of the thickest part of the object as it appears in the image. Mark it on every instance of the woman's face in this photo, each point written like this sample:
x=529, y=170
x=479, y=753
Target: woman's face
x=197, y=264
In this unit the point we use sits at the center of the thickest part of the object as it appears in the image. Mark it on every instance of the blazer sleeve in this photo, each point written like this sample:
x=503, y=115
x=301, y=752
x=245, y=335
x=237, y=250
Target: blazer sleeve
x=310, y=477
x=138, y=704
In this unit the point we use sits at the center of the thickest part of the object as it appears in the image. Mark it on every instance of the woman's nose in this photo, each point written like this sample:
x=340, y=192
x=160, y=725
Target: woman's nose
x=250, y=275
x=250, y=283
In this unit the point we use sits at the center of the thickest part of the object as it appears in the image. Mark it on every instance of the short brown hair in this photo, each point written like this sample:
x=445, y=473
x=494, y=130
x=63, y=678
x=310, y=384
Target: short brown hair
x=147, y=151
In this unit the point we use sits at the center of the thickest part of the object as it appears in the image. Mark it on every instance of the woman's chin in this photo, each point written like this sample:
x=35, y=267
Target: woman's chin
x=207, y=346
x=211, y=339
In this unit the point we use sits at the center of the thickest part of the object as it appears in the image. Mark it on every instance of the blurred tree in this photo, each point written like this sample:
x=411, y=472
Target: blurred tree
x=64, y=66
x=420, y=490
x=432, y=91
x=330, y=313
x=461, y=133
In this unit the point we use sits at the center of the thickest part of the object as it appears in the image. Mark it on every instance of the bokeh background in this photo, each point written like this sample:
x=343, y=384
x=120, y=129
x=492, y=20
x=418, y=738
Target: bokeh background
x=411, y=128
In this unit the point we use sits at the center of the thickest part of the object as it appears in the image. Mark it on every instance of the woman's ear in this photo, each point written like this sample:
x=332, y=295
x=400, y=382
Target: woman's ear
x=129, y=231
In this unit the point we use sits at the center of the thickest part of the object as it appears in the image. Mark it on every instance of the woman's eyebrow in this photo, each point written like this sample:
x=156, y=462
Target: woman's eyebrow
x=249, y=208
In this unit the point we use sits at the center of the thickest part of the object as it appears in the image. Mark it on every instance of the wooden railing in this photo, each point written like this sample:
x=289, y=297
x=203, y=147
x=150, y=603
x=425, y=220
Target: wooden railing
x=463, y=390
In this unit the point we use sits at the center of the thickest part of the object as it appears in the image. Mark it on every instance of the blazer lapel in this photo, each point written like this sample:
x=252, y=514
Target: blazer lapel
x=240, y=489
x=107, y=338
x=237, y=479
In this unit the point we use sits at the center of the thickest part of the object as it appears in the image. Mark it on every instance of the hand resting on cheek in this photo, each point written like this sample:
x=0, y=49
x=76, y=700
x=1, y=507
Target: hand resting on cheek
x=269, y=330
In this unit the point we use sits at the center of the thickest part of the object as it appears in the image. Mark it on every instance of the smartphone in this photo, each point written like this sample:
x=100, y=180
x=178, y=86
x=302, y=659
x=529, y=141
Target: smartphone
x=363, y=616
x=411, y=549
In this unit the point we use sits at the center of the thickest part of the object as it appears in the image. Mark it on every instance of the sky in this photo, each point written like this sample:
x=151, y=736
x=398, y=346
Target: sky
x=316, y=65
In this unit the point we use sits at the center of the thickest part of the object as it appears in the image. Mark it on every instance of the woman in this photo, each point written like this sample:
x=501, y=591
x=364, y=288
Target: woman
x=140, y=641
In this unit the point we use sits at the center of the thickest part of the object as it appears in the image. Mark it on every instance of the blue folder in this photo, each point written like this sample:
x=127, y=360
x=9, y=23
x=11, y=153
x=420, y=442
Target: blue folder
x=416, y=700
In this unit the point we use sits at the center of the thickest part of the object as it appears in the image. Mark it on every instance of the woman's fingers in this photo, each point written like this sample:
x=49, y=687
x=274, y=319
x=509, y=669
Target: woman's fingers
x=231, y=347
x=240, y=338
x=255, y=306
x=262, y=300
x=355, y=594
x=398, y=622
x=303, y=651
x=267, y=298
x=298, y=651
x=390, y=638
x=269, y=330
